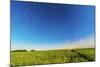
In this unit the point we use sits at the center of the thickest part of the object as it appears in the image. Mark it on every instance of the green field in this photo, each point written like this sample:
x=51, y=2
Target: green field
x=28, y=58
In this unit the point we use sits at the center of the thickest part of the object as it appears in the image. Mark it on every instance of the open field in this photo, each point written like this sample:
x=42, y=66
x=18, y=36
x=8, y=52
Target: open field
x=28, y=58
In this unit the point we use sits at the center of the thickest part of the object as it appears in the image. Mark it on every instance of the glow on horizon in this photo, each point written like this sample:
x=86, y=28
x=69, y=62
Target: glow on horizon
x=83, y=43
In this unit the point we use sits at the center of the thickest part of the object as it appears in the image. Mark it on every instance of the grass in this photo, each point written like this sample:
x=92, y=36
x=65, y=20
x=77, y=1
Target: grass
x=27, y=58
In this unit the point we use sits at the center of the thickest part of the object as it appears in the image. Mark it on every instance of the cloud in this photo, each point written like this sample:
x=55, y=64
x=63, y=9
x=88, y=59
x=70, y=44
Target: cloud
x=82, y=43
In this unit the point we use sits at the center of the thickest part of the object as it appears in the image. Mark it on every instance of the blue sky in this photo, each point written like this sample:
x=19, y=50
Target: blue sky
x=42, y=24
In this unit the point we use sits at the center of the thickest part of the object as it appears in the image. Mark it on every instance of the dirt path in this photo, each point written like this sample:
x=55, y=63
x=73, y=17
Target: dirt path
x=82, y=55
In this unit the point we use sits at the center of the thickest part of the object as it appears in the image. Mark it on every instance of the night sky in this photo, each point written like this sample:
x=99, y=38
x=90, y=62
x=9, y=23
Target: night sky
x=43, y=24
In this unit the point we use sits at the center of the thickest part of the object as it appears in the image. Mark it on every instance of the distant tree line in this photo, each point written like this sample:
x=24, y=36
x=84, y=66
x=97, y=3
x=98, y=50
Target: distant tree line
x=22, y=50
